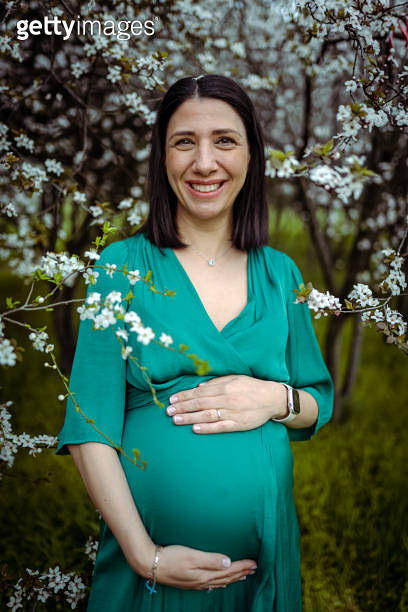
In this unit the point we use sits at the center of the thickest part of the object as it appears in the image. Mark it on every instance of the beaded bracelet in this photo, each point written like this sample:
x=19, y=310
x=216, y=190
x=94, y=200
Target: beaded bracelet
x=151, y=582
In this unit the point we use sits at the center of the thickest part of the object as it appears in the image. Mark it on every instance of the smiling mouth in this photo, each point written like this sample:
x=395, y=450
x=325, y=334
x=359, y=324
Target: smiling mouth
x=206, y=188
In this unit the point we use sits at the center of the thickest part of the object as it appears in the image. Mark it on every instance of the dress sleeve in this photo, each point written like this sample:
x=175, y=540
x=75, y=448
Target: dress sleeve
x=306, y=366
x=98, y=376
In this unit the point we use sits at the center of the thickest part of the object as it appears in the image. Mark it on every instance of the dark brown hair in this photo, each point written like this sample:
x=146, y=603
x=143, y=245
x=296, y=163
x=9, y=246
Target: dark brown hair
x=250, y=211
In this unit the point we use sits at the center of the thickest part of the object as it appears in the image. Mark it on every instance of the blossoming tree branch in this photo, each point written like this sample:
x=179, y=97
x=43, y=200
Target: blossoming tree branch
x=330, y=83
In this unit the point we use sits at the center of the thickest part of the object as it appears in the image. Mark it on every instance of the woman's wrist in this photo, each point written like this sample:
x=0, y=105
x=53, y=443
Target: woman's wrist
x=143, y=561
x=278, y=400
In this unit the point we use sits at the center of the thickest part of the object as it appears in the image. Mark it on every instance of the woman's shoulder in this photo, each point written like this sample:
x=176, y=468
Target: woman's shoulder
x=277, y=261
x=121, y=251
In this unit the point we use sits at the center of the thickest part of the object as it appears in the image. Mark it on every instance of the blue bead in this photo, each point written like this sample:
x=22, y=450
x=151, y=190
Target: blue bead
x=150, y=588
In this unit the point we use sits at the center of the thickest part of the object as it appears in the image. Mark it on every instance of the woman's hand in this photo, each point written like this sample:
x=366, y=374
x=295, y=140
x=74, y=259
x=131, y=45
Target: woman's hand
x=189, y=568
x=243, y=403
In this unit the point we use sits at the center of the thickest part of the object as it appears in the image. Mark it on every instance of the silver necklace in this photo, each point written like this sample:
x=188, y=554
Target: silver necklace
x=211, y=260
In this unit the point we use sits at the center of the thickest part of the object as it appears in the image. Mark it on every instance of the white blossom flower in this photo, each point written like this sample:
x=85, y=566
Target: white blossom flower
x=113, y=297
x=96, y=211
x=91, y=548
x=126, y=203
x=90, y=276
x=363, y=295
x=114, y=74
x=61, y=264
x=134, y=217
x=351, y=86
x=104, y=319
x=132, y=317
x=8, y=355
x=37, y=175
x=166, y=339
x=93, y=298
x=145, y=335
x=133, y=276
x=92, y=254
x=22, y=140
x=79, y=197
x=319, y=302
x=126, y=351
x=110, y=269
x=9, y=209
x=324, y=175
x=78, y=68
x=39, y=340
x=122, y=333
x=54, y=166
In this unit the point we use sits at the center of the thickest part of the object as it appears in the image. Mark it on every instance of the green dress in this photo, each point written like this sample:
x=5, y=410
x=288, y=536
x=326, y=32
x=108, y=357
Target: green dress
x=229, y=493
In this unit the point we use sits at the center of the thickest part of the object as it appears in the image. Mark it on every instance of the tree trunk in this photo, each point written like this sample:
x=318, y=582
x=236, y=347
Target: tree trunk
x=332, y=353
x=64, y=329
x=353, y=358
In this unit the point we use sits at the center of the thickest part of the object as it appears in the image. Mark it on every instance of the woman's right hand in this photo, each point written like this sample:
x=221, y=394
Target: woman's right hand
x=189, y=568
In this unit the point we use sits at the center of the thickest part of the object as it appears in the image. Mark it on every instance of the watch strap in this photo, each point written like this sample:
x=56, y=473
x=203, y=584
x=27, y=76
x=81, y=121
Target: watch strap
x=293, y=404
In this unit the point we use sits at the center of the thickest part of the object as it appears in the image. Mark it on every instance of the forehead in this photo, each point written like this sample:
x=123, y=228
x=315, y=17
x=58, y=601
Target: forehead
x=203, y=114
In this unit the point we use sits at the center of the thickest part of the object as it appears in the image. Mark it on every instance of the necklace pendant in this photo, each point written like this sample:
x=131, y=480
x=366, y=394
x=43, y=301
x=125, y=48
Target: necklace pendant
x=211, y=262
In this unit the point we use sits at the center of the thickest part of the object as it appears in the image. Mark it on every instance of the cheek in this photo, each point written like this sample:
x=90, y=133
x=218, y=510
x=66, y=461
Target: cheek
x=174, y=166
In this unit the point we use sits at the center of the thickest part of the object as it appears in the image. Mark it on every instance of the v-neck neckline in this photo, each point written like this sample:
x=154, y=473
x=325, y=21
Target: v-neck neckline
x=198, y=299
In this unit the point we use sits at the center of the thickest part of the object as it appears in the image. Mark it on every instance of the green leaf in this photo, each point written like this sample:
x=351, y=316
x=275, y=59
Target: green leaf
x=11, y=304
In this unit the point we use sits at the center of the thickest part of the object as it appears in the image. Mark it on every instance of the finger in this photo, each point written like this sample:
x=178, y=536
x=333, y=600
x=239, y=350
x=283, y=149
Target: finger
x=211, y=416
x=214, y=428
x=214, y=562
x=197, y=404
x=217, y=380
x=223, y=578
x=210, y=398
x=188, y=394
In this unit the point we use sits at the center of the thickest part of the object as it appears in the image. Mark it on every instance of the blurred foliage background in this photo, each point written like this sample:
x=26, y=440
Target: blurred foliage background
x=350, y=482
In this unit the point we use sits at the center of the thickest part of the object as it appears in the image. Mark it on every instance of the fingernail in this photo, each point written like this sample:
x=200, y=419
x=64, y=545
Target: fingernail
x=252, y=572
x=253, y=567
x=173, y=398
x=178, y=419
x=243, y=578
x=171, y=410
x=226, y=562
x=196, y=427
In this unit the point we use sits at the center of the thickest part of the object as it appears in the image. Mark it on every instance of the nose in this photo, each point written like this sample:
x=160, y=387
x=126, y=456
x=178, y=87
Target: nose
x=205, y=160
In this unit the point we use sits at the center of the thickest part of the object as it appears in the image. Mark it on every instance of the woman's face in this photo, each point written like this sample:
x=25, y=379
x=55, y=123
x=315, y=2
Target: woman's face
x=207, y=156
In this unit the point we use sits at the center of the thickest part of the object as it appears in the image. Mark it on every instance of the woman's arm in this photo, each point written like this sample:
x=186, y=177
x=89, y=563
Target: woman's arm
x=105, y=481
x=309, y=410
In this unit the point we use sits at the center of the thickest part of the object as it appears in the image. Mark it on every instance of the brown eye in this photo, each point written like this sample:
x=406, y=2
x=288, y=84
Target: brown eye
x=183, y=141
x=226, y=140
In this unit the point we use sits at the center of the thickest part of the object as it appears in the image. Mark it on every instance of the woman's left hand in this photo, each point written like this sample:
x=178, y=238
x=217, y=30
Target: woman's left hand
x=243, y=402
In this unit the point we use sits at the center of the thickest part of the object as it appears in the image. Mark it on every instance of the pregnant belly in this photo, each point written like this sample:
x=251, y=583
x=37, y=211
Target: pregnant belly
x=204, y=491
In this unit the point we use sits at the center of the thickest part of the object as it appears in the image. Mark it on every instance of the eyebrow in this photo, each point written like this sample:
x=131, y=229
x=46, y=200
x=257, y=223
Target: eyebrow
x=216, y=132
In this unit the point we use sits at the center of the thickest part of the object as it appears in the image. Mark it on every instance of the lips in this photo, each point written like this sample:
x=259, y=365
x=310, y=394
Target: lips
x=203, y=189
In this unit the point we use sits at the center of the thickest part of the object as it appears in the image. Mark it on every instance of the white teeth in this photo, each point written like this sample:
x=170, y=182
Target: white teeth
x=206, y=188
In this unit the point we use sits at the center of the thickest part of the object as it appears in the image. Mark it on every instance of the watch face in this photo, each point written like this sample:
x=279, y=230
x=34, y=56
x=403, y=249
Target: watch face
x=296, y=401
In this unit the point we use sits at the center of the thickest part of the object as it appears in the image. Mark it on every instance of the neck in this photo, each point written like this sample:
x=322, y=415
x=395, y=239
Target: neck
x=211, y=238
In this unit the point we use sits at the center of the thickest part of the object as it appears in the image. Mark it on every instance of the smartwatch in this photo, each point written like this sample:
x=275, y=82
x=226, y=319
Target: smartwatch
x=293, y=405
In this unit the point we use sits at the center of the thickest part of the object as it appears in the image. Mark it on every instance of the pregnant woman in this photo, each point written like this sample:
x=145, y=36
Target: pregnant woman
x=214, y=507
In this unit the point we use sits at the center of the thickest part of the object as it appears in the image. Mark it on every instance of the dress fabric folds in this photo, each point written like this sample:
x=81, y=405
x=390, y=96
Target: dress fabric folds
x=229, y=493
